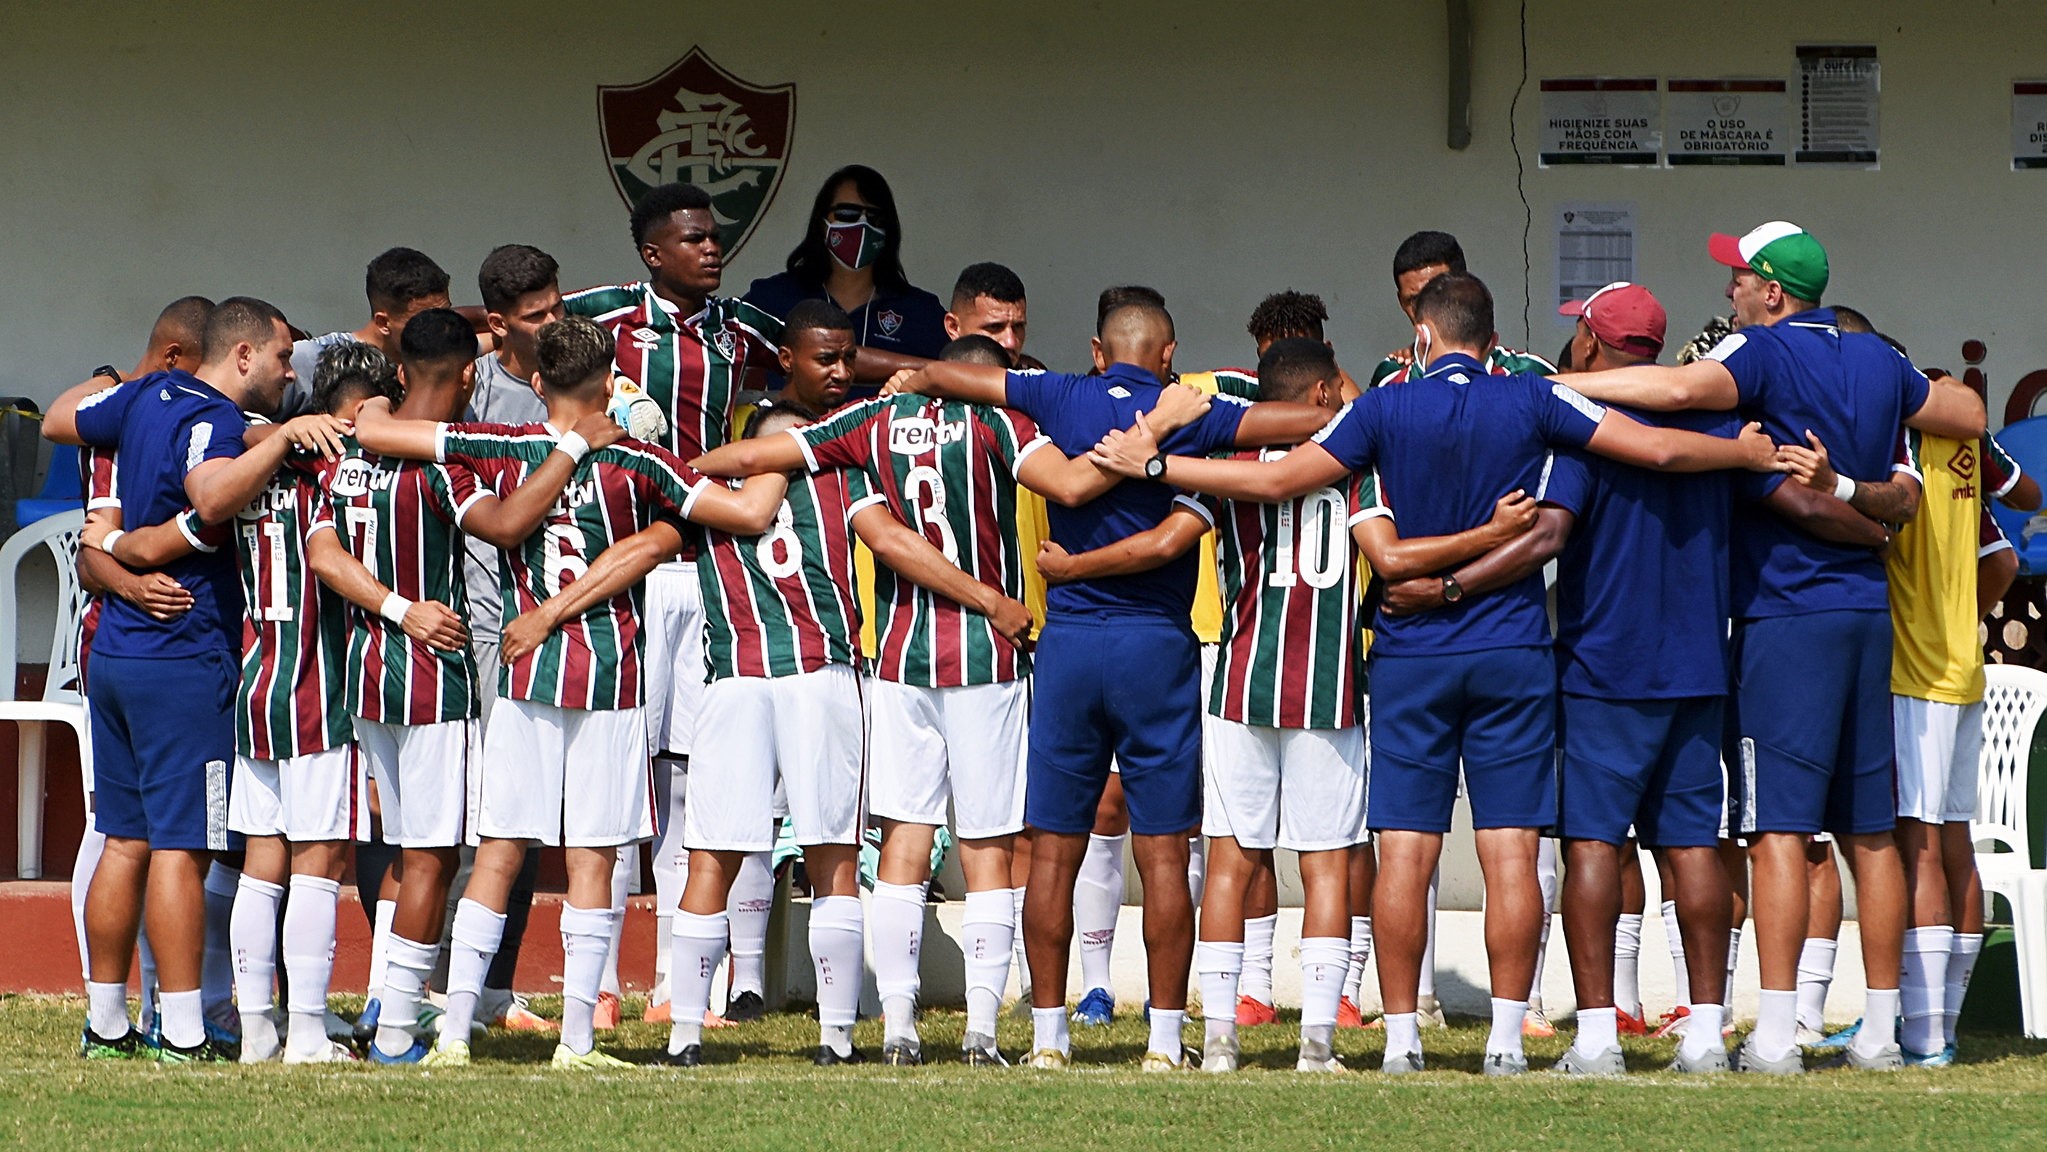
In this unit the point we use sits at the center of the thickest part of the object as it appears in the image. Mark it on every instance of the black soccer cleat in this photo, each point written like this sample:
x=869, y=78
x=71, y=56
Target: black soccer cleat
x=828, y=1057
x=745, y=1008
x=902, y=1054
x=132, y=1045
x=691, y=1056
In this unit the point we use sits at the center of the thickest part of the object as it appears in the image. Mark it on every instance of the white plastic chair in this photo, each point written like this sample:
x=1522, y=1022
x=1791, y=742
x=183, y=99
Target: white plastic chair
x=62, y=702
x=2014, y=699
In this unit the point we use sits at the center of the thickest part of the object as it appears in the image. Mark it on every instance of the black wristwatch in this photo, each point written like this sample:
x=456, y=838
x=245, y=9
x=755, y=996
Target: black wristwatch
x=1452, y=590
x=107, y=370
x=1155, y=468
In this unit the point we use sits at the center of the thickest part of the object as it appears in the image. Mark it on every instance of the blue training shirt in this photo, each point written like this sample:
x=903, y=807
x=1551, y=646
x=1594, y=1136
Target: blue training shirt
x=1853, y=391
x=1447, y=445
x=1076, y=412
x=1642, y=587
x=163, y=426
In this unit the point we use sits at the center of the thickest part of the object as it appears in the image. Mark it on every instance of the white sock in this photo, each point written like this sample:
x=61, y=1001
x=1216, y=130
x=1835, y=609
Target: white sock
x=671, y=861
x=1323, y=960
x=586, y=942
x=1505, y=1038
x=621, y=883
x=698, y=948
x=1627, y=964
x=252, y=934
x=106, y=1009
x=380, y=947
x=987, y=935
x=1776, y=1024
x=835, y=929
x=1218, y=969
x=664, y=930
x=1546, y=883
x=309, y=960
x=184, y=1018
x=473, y=943
x=1166, y=1026
x=1923, y=987
x=897, y=927
x=1598, y=1030
x=1961, y=963
x=1197, y=868
x=1048, y=1030
x=91, y=847
x=1097, y=901
x=1018, y=961
x=217, y=966
x=1673, y=933
x=746, y=909
x=1815, y=976
x=1734, y=962
x=1879, y=1021
x=1403, y=1034
x=1257, y=981
x=1702, y=1030
x=407, y=963
x=1426, y=985
x=1360, y=956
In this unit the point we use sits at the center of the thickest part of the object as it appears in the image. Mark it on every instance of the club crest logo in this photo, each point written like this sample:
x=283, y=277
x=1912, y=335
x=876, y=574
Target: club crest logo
x=725, y=342
x=889, y=321
x=697, y=123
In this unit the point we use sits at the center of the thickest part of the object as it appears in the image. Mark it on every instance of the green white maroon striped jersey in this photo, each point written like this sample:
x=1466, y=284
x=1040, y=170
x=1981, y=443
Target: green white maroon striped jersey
x=947, y=469
x=293, y=695
x=1498, y=362
x=782, y=602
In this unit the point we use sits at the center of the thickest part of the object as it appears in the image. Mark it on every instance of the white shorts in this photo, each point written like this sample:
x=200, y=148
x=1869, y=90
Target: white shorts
x=305, y=799
x=566, y=777
x=423, y=774
x=1940, y=748
x=1302, y=789
x=805, y=730
x=928, y=746
x=673, y=663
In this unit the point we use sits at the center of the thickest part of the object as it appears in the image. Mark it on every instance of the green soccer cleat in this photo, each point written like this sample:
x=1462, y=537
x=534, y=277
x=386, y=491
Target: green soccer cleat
x=131, y=1045
x=591, y=1061
x=453, y=1054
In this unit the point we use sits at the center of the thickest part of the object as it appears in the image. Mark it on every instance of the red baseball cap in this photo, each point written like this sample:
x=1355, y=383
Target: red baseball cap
x=1622, y=315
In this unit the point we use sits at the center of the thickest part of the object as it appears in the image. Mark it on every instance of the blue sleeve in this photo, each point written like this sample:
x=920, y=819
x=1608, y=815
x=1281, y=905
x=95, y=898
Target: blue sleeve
x=1914, y=385
x=772, y=294
x=1755, y=487
x=213, y=432
x=1568, y=481
x=1216, y=431
x=100, y=415
x=1746, y=359
x=1566, y=416
x=1353, y=437
x=1046, y=397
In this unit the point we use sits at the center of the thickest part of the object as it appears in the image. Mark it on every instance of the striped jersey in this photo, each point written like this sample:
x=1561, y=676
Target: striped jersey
x=948, y=470
x=1498, y=362
x=99, y=478
x=593, y=661
x=1291, y=654
x=293, y=697
x=782, y=602
x=400, y=518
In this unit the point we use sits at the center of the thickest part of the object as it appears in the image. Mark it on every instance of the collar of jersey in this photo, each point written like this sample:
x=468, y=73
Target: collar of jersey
x=665, y=317
x=1821, y=318
x=1452, y=360
x=1132, y=373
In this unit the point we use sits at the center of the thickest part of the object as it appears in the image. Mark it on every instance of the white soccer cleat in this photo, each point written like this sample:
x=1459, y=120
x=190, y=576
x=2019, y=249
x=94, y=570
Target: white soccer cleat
x=334, y=1053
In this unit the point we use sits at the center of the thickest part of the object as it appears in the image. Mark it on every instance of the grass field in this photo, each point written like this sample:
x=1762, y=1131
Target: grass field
x=762, y=1093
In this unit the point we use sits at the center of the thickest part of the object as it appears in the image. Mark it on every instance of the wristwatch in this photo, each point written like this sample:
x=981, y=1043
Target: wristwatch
x=1452, y=590
x=1155, y=468
x=107, y=370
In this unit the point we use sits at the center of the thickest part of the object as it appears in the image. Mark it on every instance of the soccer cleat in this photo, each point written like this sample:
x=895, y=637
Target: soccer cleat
x=1048, y=1060
x=1160, y=1062
x=1940, y=1059
x=428, y=1023
x=1315, y=1056
x=365, y=1029
x=1096, y=1009
x=1505, y=1064
x=1673, y=1022
x=1631, y=1023
x=1807, y=1036
x=827, y=1056
x=1839, y=1040
x=131, y=1045
x=1401, y=1065
x=1889, y=1058
x=979, y=1051
x=412, y=1055
x=335, y=1052
x=1607, y=1063
x=591, y=1061
x=453, y=1054
x=204, y=1052
x=902, y=1054
x=520, y=1018
x=1792, y=1064
x=1221, y=1055
x=605, y=1017
x=1428, y=1012
x=1712, y=1062
x=660, y=1012
x=745, y=1008
x=1348, y=1015
x=1536, y=1023
x=338, y=1028
x=691, y=1056
x=1252, y=1012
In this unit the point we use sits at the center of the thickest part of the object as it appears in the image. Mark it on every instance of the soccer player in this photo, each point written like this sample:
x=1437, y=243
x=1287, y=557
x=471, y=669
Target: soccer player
x=415, y=705
x=1085, y=709
x=1446, y=444
x=400, y=284
x=1816, y=749
x=162, y=689
x=1421, y=258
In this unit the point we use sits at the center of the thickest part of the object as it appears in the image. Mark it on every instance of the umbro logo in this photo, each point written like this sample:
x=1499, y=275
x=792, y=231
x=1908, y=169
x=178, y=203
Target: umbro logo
x=646, y=339
x=1120, y=392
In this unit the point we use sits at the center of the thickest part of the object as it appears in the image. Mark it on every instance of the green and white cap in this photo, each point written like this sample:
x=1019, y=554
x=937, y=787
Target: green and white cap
x=1780, y=251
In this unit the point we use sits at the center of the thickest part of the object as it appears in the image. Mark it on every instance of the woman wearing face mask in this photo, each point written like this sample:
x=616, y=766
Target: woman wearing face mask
x=851, y=255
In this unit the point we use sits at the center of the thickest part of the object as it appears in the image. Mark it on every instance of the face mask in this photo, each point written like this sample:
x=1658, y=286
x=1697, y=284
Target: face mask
x=1424, y=343
x=854, y=245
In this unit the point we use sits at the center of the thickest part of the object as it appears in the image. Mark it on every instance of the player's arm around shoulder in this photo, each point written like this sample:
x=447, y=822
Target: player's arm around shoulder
x=506, y=521
x=1623, y=438
x=1704, y=384
x=614, y=570
x=380, y=431
x=1951, y=409
x=1154, y=547
x=1395, y=559
x=909, y=555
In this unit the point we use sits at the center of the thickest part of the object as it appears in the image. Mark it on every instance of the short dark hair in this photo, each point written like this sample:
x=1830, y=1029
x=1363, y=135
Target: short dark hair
x=1563, y=360
x=572, y=352
x=349, y=367
x=770, y=416
x=811, y=261
x=1850, y=320
x=437, y=335
x=1459, y=305
x=235, y=320
x=1116, y=297
x=1287, y=313
x=995, y=281
x=1426, y=248
x=1292, y=365
x=399, y=276
x=974, y=348
x=808, y=315
x=660, y=202
x=183, y=320
x=513, y=270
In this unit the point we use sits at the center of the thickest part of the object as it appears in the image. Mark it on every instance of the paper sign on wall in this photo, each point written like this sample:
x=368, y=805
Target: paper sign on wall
x=1600, y=121
x=1727, y=122
x=2029, y=124
x=1838, y=86
x=1595, y=247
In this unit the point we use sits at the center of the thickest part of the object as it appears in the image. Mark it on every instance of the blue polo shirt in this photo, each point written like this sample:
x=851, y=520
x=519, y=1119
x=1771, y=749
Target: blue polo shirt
x=1447, y=445
x=909, y=321
x=1076, y=412
x=1853, y=391
x=163, y=426
x=1642, y=587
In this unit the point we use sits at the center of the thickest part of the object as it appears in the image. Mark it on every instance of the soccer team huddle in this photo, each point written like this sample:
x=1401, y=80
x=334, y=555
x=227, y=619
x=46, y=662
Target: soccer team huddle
x=548, y=572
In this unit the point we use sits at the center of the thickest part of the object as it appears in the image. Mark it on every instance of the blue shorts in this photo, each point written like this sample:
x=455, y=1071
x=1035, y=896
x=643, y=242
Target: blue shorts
x=163, y=748
x=1653, y=764
x=1815, y=752
x=1128, y=688
x=1493, y=711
